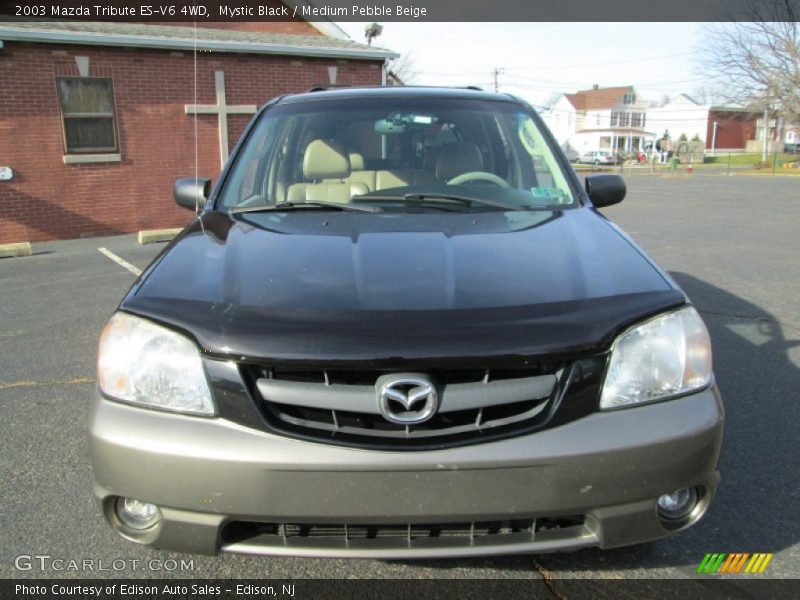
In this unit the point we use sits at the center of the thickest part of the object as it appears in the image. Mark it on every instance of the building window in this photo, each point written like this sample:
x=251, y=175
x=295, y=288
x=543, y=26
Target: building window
x=87, y=110
x=629, y=98
x=614, y=119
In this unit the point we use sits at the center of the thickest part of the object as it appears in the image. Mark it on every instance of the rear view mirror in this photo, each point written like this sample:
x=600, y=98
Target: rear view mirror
x=192, y=192
x=605, y=190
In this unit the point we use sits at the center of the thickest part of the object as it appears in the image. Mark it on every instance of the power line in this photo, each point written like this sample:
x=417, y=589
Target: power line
x=583, y=84
x=556, y=67
x=603, y=64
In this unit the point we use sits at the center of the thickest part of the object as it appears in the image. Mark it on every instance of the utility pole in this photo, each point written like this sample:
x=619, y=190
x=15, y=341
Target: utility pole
x=497, y=71
x=765, y=152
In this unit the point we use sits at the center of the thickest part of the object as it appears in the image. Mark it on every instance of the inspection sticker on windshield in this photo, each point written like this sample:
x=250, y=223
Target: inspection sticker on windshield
x=546, y=193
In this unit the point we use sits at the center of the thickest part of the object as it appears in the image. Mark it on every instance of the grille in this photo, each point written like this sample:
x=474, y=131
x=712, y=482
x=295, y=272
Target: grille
x=342, y=406
x=321, y=535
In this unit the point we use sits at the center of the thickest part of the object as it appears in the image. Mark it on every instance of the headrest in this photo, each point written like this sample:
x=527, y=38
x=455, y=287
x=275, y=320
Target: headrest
x=455, y=159
x=325, y=159
x=356, y=161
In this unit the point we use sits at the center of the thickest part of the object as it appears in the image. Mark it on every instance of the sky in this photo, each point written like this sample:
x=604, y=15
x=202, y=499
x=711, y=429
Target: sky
x=541, y=59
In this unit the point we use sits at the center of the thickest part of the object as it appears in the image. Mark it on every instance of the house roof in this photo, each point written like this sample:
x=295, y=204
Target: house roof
x=183, y=38
x=600, y=98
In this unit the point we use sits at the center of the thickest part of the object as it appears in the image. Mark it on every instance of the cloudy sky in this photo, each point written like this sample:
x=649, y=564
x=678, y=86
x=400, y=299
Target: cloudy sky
x=539, y=59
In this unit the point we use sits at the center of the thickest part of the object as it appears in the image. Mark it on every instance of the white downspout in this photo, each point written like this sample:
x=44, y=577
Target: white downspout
x=714, y=139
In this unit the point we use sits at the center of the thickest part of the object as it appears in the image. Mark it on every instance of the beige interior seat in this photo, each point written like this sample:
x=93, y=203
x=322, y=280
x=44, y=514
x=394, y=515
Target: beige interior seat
x=327, y=164
x=358, y=174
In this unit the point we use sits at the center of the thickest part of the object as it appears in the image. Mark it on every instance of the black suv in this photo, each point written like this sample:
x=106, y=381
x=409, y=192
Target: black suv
x=399, y=327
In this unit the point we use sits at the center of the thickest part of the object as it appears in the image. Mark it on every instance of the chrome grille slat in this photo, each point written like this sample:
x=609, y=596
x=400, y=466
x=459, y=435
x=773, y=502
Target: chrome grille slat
x=360, y=398
x=343, y=406
x=407, y=432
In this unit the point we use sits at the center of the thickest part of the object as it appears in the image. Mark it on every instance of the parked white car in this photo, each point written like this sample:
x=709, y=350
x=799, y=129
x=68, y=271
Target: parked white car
x=597, y=157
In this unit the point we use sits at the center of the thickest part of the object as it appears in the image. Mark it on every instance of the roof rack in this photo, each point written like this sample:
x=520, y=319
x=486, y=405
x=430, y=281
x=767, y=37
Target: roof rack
x=326, y=87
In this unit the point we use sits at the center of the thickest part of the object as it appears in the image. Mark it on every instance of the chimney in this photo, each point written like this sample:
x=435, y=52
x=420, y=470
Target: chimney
x=595, y=87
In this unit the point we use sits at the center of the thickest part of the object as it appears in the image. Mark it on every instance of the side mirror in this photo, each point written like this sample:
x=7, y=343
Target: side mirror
x=605, y=190
x=191, y=192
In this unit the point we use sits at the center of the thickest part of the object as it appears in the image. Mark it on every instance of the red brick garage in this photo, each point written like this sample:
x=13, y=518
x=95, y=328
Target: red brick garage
x=96, y=118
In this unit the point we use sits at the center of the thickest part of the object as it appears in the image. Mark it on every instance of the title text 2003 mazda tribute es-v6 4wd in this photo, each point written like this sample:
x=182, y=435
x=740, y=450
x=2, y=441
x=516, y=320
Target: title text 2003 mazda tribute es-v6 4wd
x=400, y=328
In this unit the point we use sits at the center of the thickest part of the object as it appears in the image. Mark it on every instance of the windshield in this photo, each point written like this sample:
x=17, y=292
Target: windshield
x=397, y=154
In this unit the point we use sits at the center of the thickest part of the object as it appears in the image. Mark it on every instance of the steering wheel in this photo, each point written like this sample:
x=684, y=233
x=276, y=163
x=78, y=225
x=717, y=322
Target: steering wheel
x=479, y=176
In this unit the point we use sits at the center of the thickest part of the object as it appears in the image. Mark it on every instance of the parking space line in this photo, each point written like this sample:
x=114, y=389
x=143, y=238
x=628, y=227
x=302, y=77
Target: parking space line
x=120, y=261
x=25, y=384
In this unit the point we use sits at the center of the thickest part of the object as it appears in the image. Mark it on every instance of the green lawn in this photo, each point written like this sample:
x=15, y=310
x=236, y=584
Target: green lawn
x=748, y=159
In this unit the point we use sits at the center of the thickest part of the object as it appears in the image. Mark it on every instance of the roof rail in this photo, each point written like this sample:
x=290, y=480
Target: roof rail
x=473, y=87
x=325, y=87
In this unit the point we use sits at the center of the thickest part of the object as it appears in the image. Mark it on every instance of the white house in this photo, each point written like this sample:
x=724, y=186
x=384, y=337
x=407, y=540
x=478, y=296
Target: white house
x=612, y=118
x=681, y=116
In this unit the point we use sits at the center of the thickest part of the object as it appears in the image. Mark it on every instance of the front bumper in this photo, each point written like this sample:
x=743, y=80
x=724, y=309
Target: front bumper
x=212, y=477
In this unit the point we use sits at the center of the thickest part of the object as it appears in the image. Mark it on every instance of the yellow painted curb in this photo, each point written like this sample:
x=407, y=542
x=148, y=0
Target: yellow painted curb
x=19, y=249
x=157, y=235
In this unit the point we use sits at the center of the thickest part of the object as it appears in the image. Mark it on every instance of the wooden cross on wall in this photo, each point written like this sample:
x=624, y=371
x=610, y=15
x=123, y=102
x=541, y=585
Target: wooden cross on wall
x=222, y=110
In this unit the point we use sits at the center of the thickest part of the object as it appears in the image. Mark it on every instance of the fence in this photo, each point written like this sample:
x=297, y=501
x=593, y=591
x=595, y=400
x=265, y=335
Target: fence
x=721, y=162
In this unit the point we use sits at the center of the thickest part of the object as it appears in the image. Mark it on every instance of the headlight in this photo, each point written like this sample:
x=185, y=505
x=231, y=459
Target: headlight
x=143, y=363
x=668, y=355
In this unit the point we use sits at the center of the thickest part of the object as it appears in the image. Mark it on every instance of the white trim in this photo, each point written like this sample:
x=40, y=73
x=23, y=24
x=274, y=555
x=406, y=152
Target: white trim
x=85, y=159
x=137, y=41
x=82, y=62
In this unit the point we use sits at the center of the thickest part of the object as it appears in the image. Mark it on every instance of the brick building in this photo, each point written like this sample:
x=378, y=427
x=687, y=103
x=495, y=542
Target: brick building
x=720, y=128
x=97, y=120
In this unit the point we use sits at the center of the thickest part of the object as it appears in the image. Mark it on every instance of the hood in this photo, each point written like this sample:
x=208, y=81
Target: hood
x=321, y=286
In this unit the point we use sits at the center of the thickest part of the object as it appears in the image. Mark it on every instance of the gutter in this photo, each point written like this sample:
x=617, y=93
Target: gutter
x=101, y=39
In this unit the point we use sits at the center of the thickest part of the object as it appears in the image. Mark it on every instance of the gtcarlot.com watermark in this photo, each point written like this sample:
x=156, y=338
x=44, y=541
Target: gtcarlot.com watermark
x=46, y=562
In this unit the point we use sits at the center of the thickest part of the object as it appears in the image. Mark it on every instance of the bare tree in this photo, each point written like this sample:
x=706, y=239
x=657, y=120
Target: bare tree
x=405, y=68
x=551, y=100
x=706, y=94
x=757, y=62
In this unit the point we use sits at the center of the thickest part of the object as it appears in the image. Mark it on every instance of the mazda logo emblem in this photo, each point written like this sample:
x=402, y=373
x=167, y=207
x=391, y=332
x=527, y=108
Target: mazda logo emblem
x=407, y=399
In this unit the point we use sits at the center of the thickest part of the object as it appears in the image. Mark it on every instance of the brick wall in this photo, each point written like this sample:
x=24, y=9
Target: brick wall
x=733, y=129
x=51, y=200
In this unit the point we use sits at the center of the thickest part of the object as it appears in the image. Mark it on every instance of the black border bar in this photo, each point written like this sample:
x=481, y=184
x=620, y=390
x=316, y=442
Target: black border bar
x=209, y=11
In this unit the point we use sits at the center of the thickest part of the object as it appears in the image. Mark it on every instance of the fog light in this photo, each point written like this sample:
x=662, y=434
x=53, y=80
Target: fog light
x=137, y=514
x=678, y=504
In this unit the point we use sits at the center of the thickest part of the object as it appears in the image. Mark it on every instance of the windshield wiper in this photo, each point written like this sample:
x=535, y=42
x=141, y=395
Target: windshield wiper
x=466, y=200
x=286, y=206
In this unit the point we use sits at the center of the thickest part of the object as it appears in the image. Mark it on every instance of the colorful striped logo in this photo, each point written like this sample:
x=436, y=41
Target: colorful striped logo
x=737, y=562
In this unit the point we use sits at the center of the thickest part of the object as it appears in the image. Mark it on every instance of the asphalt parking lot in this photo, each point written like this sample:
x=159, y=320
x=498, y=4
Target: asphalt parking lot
x=733, y=243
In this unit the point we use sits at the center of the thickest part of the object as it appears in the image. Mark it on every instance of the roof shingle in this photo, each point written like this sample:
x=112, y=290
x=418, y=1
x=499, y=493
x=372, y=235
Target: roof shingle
x=598, y=99
x=136, y=34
